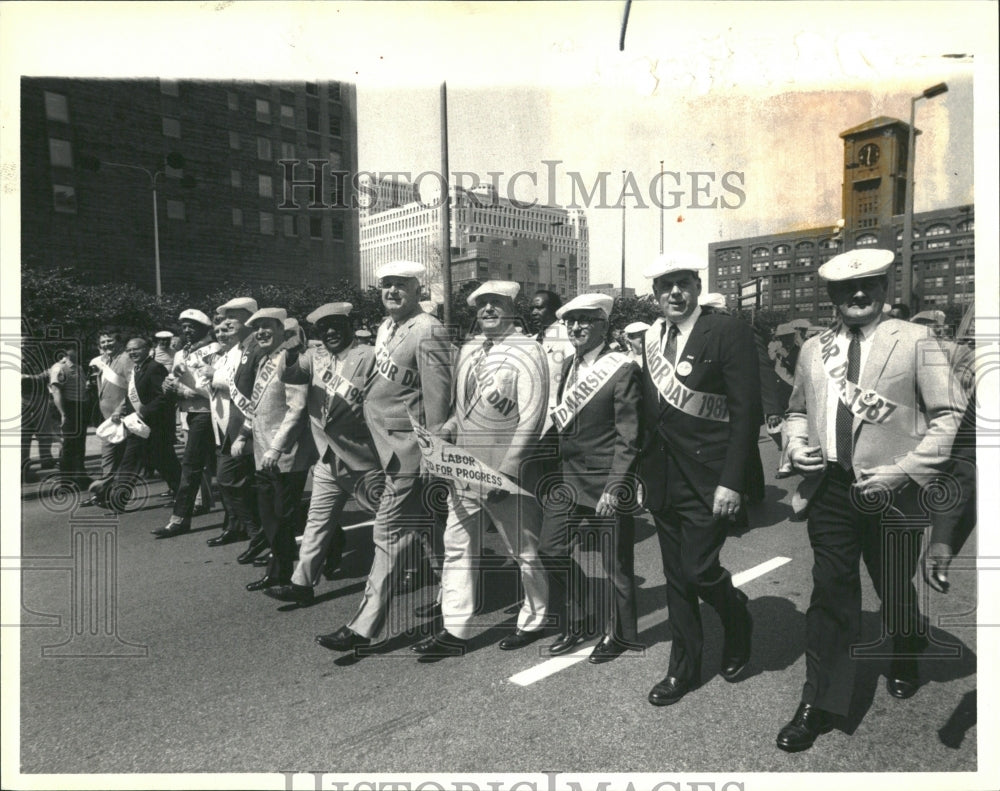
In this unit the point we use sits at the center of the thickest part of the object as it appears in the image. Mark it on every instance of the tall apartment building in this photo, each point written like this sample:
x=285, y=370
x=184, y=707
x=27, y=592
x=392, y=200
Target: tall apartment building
x=540, y=247
x=231, y=225
x=874, y=189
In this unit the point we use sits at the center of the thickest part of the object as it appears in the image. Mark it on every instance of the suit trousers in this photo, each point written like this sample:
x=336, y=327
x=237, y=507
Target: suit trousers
x=156, y=451
x=236, y=487
x=402, y=523
x=841, y=534
x=111, y=457
x=72, y=465
x=278, y=496
x=199, y=453
x=614, y=539
x=691, y=539
x=518, y=520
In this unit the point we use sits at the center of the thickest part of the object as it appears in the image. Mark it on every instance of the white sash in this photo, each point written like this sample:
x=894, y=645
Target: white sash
x=264, y=375
x=398, y=374
x=336, y=386
x=457, y=464
x=865, y=404
x=707, y=406
x=196, y=358
x=577, y=397
x=133, y=394
x=109, y=374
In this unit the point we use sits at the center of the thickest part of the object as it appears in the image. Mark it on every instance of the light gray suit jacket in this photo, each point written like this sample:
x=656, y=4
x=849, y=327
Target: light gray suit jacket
x=280, y=422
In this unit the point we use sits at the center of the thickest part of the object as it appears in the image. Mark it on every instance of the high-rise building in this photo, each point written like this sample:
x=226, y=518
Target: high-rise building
x=874, y=191
x=92, y=152
x=540, y=247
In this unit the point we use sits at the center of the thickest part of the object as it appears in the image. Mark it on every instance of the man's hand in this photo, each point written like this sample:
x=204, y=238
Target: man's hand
x=116, y=417
x=496, y=495
x=726, y=503
x=236, y=449
x=807, y=460
x=774, y=422
x=886, y=476
x=62, y=420
x=937, y=559
x=270, y=460
x=608, y=505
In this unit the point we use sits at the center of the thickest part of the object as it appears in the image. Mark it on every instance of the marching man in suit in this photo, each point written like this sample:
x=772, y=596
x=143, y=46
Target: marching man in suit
x=335, y=374
x=701, y=405
x=870, y=420
x=145, y=398
x=283, y=451
x=113, y=367
x=500, y=403
x=411, y=382
x=597, y=417
x=232, y=384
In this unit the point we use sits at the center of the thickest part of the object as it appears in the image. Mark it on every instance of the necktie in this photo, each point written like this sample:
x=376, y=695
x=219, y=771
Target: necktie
x=472, y=378
x=670, y=350
x=574, y=372
x=845, y=418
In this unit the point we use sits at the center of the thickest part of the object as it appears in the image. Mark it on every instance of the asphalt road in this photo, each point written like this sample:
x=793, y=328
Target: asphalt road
x=173, y=667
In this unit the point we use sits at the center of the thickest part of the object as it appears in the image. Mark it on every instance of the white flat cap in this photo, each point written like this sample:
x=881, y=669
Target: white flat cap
x=328, y=310
x=799, y=324
x=248, y=304
x=164, y=335
x=929, y=317
x=783, y=329
x=400, y=269
x=362, y=334
x=291, y=324
x=503, y=288
x=195, y=315
x=712, y=300
x=269, y=313
x=601, y=302
x=681, y=261
x=636, y=327
x=857, y=263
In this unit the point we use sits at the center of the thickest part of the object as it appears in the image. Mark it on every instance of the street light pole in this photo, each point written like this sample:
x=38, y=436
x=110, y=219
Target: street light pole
x=156, y=238
x=906, y=285
x=552, y=237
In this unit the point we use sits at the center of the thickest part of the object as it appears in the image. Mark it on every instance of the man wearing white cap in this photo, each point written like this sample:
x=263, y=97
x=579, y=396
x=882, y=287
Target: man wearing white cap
x=870, y=421
x=232, y=382
x=154, y=408
x=283, y=450
x=187, y=382
x=113, y=367
x=335, y=374
x=161, y=351
x=635, y=335
x=500, y=403
x=701, y=400
x=411, y=382
x=597, y=417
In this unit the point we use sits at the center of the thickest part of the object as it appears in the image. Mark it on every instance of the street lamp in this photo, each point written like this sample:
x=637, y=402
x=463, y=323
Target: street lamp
x=552, y=236
x=174, y=161
x=907, y=280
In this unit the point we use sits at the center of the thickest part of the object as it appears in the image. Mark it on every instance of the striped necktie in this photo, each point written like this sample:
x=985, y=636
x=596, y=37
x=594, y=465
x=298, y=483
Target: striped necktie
x=845, y=418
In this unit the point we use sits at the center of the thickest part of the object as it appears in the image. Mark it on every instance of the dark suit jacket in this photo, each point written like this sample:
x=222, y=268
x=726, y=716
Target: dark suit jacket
x=600, y=445
x=723, y=361
x=157, y=409
x=243, y=376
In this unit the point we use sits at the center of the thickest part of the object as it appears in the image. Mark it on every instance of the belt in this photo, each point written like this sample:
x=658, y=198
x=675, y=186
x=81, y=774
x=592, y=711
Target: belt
x=838, y=473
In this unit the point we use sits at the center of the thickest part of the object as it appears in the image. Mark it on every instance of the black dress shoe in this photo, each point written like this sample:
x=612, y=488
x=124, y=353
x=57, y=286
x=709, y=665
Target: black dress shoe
x=428, y=610
x=297, y=594
x=610, y=648
x=172, y=529
x=442, y=644
x=736, y=644
x=227, y=537
x=342, y=640
x=262, y=561
x=267, y=581
x=566, y=642
x=903, y=680
x=807, y=724
x=668, y=691
x=257, y=546
x=519, y=639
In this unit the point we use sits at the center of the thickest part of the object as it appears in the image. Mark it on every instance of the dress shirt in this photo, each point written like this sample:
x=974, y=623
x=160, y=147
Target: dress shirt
x=833, y=391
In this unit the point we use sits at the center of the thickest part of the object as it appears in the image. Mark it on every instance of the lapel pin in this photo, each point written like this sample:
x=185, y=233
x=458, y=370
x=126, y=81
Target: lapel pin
x=684, y=368
x=869, y=397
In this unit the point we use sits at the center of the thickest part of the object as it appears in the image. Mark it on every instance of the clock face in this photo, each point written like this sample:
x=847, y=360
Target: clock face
x=868, y=155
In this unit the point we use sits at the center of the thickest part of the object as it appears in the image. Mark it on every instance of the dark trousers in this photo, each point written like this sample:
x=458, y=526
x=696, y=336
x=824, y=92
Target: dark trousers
x=842, y=534
x=199, y=454
x=614, y=538
x=72, y=465
x=157, y=451
x=278, y=496
x=690, y=541
x=239, y=496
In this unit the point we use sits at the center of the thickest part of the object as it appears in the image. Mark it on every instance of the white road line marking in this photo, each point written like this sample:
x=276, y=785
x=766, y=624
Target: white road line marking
x=554, y=665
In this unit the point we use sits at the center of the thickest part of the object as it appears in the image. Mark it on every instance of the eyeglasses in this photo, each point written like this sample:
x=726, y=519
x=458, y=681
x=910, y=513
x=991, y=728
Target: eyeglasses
x=135, y=348
x=583, y=321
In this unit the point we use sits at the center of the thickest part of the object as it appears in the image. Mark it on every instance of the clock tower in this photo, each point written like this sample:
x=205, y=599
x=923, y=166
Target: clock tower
x=874, y=179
